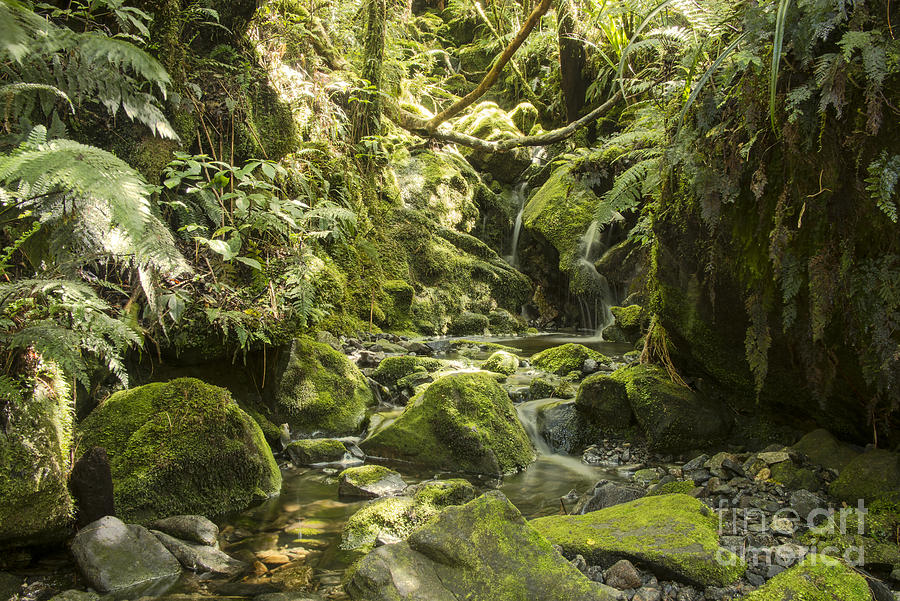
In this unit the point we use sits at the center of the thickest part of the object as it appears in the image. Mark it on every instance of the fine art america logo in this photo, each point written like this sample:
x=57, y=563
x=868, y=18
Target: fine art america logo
x=820, y=522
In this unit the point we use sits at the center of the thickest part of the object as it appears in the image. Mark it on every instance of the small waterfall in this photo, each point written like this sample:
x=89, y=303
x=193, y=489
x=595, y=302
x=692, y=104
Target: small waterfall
x=529, y=417
x=520, y=194
x=594, y=293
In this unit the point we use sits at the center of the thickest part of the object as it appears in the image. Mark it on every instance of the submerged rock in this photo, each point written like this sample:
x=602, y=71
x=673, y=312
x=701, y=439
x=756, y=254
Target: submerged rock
x=817, y=578
x=482, y=551
x=463, y=422
x=673, y=535
x=182, y=447
x=562, y=360
x=320, y=391
x=501, y=362
x=114, y=556
x=370, y=481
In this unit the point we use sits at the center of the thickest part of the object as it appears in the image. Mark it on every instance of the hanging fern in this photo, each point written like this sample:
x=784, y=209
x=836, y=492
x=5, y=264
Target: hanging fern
x=884, y=173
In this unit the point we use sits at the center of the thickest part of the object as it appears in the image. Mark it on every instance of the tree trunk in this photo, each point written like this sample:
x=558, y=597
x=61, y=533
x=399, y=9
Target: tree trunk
x=571, y=60
x=367, y=109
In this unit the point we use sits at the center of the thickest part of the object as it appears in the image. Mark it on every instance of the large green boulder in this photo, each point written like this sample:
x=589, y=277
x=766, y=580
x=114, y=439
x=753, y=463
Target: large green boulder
x=35, y=506
x=481, y=551
x=561, y=360
x=871, y=476
x=824, y=449
x=392, y=369
x=320, y=391
x=630, y=322
x=603, y=401
x=674, y=418
x=463, y=422
x=501, y=362
x=182, y=447
x=673, y=535
x=440, y=184
x=817, y=578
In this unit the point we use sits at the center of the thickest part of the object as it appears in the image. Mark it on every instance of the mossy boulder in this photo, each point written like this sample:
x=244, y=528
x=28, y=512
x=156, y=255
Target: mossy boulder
x=468, y=323
x=311, y=451
x=182, y=447
x=603, y=401
x=674, y=535
x=525, y=116
x=561, y=360
x=441, y=185
x=370, y=481
x=630, y=323
x=872, y=476
x=822, y=448
x=504, y=322
x=481, y=551
x=320, y=391
x=674, y=418
x=464, y=422
x=395, y=518
x=794, y=477
x=817, y=578
x=684, y=487
x=35, y=506
x=392, y=369
x=501, y=362
x=490, y=122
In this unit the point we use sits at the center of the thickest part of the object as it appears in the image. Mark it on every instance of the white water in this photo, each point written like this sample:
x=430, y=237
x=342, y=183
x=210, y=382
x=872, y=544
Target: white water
x=528, y=416
x=596, y=295
x=520, y=193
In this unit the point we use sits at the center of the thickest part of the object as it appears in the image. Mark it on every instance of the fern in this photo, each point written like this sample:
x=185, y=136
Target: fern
x=9, y=390
x=884, y=173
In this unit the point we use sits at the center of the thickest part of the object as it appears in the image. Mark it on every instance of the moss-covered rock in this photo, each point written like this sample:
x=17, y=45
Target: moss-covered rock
x=482, y=551
x=316, y=450
x=561, y=360
x=674, y=535
x=490, y=122
x=504, y=322
x=683, y=487
x=603, y=400
x=320, y=391
x=392, y=369
x=370, y=481
x=462, y=422
x=872, y=476
x=525, y=116
x=674, y=418
x=630, y=323
x=824, y=449
x=35, y=506
x=439, y=184
x=468, y=323
x=817, y=578
x=794, y=477
x=182, y=447
x=397, y=517
x=501, y=362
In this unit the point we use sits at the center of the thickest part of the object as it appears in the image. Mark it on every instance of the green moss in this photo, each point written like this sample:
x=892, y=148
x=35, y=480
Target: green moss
x=316, y=450
x=443, y=493
x=365, y=475
x=676, y=533
x=817, y=578
x=182, y=447
x=794, y=477
x=320, y=390
x=632, y=316
x=392, y=369
x=525, y=116
x=677, y=487
x=824, y=449
x=463, y=422
x=561, y=360
x=468, y=323
x=465, y=347
x=872, y=476
x=501, y=362
x=604, y=401
x=35, y=506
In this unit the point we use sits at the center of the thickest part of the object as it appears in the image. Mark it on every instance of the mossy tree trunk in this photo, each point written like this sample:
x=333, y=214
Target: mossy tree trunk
x=571, y=60
x=367, y=111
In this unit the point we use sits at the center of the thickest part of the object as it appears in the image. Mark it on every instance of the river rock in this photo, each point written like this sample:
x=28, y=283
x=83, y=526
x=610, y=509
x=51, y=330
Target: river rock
x=623, y=575
x=501, y=362
x=114, y=556
x=817, y=577
x=606, y=494
x=871, y=476
x=181, y=447
x=464, y=422
x=824, y=449
x=191, y=528
x=481, y=551
x=604, y=402
x=673, y=535
x=393, y=369
x=562, y=360
x=92, y=486
x=370, y=481
x=313, y=451
x=200, y=558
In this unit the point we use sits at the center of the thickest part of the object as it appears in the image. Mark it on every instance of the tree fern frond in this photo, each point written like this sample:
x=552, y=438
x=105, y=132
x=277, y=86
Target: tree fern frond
x=629, y=188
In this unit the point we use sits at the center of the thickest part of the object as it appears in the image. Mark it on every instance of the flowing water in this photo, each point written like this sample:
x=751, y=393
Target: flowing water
x=520, y=195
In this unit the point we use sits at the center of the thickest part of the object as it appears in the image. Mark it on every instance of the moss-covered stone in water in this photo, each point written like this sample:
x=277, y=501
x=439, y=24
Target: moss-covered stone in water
x=673, y=534
x=604, y=402
x=872, y=476
x=182, y=447
x=316, y=450
x=824, y=449
x=370, y=481
x=674, y=418
x=481, y=551
x=462, y=422
x=817, y=578
x=794, y=477
x=321, y=391
x=501, y=362
x=392, y=369
x=561, y=360
x=630, y=323
x=443, y=493
x=35, y=506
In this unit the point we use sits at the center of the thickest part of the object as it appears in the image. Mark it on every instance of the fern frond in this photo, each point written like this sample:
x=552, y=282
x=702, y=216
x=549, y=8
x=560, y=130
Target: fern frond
x=884, y=174
x=629, y=189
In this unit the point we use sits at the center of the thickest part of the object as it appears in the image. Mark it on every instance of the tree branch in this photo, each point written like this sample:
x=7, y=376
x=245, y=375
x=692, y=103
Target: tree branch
x=491, y=78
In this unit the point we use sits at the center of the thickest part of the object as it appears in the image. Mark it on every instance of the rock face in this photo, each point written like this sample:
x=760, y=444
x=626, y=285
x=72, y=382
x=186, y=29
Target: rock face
x=464, y=422
x=603, y=400
x=370, y=481
x=183, y=447
x=114, y=556
x=817, y=579
x=320, y=391
x=674, y=418
x=35, y=505
x=482, y=551
x=561, y=360
x=502, y=362
x=870, y=476
x=92, y=486
x=675, y=535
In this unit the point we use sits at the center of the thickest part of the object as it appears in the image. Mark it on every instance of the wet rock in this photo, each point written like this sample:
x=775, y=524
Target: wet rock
x=804, y=502
x=824, y=449
x=114, y=556
x=92, y=486
x=191, y=528
x=675, y=534
x=606, y=494
x=816, y=578
x=370, y=481
x=604, y=402
x=695, y=463
x=316, y=451
x=623, y=575
x=870, y=476
x=200, y=557
x=471, y=551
